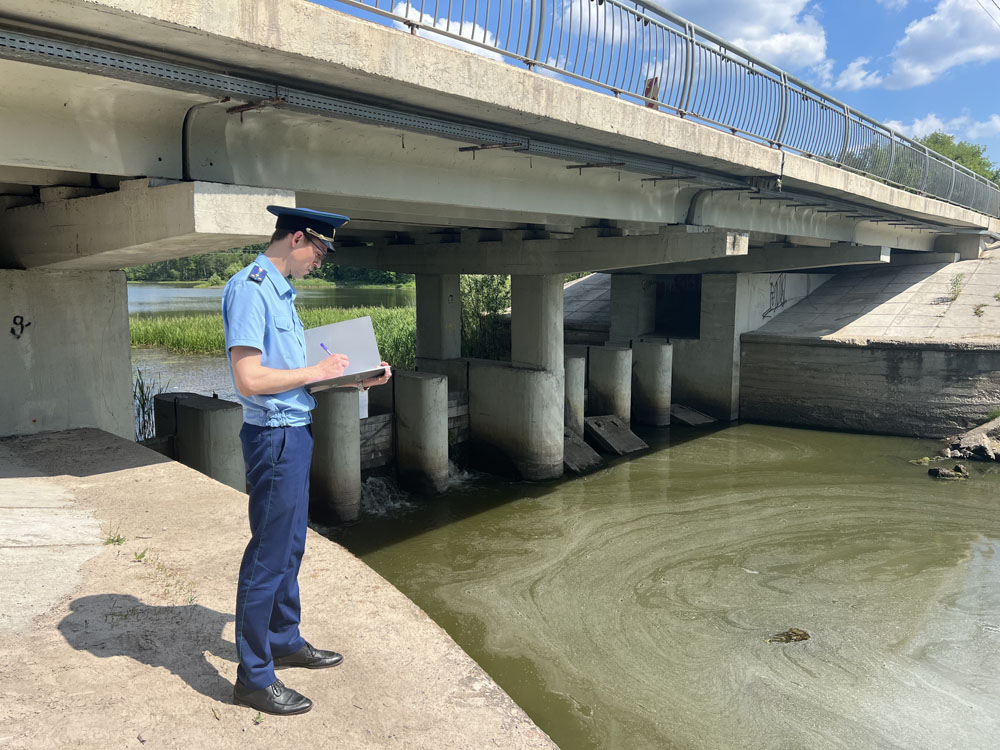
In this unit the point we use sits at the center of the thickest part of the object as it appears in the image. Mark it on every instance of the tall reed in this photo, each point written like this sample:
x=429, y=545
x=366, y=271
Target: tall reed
x=395, y=331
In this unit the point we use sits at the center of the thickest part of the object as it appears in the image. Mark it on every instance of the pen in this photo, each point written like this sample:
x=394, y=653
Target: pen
x=325, y=349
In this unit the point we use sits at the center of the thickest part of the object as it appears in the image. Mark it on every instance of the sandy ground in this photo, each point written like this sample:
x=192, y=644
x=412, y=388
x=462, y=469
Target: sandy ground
x=131, y=645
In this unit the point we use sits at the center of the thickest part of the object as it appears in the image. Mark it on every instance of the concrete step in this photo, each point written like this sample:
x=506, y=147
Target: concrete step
x=578, y=457
x=687, y=415
x=610, y=434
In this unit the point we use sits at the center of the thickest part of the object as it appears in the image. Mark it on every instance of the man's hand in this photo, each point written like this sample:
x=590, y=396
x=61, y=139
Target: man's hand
x=331, y=367
x=381, y=379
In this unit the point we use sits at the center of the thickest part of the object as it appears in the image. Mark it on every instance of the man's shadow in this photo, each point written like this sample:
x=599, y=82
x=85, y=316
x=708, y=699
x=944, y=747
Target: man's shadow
x=173, y=637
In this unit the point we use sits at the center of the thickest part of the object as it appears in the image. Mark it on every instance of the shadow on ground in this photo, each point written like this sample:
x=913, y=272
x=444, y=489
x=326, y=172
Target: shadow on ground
x=176, y=638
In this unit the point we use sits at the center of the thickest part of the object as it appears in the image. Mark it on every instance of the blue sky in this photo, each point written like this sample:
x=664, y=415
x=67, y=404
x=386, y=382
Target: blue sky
x=915, y=65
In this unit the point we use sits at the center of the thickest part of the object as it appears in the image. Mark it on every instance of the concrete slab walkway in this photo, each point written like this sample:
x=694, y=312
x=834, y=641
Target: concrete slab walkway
x=131, y=644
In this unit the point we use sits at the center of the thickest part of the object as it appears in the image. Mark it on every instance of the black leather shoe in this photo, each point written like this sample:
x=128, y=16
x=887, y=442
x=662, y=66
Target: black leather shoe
x=308, y=657
x=276, y=699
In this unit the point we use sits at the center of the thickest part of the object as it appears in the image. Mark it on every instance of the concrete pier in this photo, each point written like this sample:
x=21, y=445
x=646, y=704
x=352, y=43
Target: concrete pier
x=575, y=368
x=610, y=382
x=422, y=431
x=208, y=438
x=536, y=324
x=652, y=365
x=519, y=411
x=633, y=307
x=335, y=477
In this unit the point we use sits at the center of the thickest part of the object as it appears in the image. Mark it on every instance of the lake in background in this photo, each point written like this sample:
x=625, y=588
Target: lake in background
x=166, y=299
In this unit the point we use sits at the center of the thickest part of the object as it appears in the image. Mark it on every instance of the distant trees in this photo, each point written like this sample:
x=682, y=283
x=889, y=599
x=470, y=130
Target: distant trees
x=216, y=268
x=970, y=155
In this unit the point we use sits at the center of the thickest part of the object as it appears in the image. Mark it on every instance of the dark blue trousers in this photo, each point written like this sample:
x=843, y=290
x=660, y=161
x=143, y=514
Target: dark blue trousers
x=267, y=596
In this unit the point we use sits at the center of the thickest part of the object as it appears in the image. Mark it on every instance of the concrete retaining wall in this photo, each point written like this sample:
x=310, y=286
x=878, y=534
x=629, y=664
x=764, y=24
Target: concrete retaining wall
x=893, y=388
x=64, y=351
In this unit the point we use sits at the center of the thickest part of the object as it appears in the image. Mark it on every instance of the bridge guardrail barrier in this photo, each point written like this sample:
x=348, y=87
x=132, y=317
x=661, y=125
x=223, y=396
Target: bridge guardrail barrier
x=646, y=53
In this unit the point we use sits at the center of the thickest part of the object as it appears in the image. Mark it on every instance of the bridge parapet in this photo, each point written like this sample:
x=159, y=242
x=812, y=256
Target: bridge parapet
x=646, y=53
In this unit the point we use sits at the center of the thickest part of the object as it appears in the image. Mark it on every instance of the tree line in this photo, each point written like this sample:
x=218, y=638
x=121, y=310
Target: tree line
x=216, y=268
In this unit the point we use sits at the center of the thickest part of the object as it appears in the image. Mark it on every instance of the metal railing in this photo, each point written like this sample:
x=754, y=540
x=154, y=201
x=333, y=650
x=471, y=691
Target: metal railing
x=646, y=53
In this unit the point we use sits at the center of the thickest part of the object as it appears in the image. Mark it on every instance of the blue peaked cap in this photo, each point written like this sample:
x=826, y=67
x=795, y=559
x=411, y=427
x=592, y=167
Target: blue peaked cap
x=319, y=224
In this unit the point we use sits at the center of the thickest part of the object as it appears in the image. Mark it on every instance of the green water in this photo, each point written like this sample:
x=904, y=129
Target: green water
x=629, y=609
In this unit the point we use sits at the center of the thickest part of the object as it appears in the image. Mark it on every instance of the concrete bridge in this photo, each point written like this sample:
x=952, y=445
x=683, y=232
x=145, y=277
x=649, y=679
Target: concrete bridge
x=143, y=130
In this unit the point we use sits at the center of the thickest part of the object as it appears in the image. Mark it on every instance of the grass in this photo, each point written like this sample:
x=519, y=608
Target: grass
x=116, y=539
x=144, y=390
x=395, y=331
x=993, y=414
x=997, y=296
x=978, y=309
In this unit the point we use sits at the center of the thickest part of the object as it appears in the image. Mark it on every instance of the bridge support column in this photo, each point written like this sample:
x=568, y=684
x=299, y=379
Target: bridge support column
x=536, y=325
x=439, y=328
x=706, y=370
x=64, y=352
x=208, y=438
x=610, y=381
x=519, y=407
x=633, y=307
x=335, y=476
x=575, y=366
x=969, y=246
x=652, y=366
x=422, y=431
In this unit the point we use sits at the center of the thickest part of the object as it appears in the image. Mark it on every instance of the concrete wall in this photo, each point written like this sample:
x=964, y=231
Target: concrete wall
x=894, y=388
x=69, y=365
x=707, y=369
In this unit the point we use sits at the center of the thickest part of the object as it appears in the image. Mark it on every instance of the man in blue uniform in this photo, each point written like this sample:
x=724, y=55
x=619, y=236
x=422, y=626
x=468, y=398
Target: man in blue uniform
x=265, y=343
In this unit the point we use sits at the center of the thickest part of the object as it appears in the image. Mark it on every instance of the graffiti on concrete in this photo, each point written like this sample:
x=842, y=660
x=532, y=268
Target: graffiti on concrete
x=778, y=298
x=19, y=325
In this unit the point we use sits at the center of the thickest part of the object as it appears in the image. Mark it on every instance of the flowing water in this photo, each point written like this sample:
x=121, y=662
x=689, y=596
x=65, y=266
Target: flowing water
x=630, y=609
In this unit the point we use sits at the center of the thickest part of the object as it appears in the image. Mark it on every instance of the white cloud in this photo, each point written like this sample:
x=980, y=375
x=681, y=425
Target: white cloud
x=963, y=127
x=822, y=74
x=854, y=77
x=466, y=29
x=892, y=4
x=956, y=33
x=782, y=32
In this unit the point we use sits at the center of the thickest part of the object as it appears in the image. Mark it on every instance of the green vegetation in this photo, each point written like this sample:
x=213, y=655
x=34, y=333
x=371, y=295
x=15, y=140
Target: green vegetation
x=955, y=286
x=138, y=556
x=214, y=269
x=967, y=154
x=144, y=390
x=485, y=326
x=116, y=539
x=993, y=414
x=978, y=309
x=395, y=331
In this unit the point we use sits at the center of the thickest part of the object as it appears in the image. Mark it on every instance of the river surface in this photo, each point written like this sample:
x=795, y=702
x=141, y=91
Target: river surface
x=630, y=608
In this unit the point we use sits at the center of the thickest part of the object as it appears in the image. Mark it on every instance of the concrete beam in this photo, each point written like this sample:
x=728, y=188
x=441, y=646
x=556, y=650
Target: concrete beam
x=517, y=253
x=780, y=258
x=136, y=224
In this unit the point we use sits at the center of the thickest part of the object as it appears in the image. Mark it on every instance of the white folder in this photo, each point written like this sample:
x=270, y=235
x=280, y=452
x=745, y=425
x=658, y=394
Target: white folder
x=356, y=339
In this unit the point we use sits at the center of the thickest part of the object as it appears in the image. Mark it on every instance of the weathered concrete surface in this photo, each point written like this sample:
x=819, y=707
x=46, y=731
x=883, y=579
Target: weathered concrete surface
x=65, y=363
x=127, y=652
x=909, y=351
x=137, y=224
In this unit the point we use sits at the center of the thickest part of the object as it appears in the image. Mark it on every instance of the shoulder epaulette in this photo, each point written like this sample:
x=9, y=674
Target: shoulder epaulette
x=257, y=274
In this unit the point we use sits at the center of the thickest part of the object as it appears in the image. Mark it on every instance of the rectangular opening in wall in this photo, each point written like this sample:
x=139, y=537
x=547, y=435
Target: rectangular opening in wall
x=678, y=306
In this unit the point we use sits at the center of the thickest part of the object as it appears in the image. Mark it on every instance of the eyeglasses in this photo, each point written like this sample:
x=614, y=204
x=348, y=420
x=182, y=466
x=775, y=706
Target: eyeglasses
x=323, y=252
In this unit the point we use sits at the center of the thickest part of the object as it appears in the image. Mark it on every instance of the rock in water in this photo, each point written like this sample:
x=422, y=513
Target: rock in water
x=790, y=635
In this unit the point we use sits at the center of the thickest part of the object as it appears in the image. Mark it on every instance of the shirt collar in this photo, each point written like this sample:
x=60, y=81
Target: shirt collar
x=281, y=285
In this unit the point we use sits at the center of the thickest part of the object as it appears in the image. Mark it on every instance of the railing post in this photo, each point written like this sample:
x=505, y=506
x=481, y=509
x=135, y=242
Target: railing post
x=954, y=172
x=927, y=168
x=892, y=156
x=779, y=131
x=689, y=72
x=543, y=14
x=847, y=135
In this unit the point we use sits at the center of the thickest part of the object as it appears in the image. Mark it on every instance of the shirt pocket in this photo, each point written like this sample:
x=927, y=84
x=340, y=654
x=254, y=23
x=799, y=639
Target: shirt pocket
x=284, y=323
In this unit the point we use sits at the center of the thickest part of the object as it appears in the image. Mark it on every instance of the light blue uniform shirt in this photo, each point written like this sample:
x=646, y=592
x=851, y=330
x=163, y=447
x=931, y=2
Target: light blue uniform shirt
x=258, y=310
